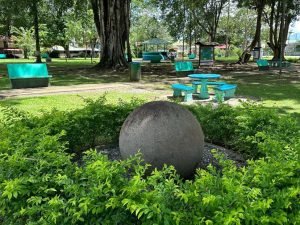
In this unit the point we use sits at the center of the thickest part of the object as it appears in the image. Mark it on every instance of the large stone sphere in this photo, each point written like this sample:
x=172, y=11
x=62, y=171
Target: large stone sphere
x=165, y=133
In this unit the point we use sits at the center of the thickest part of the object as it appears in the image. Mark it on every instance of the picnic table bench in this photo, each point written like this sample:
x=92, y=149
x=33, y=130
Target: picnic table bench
x=183, y=68
x=224, y=91
x=179, y=88
x=209, y=83
x=28, y=75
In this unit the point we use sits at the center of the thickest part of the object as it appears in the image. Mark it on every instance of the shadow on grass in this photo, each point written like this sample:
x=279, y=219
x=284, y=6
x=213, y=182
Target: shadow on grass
x=269, y=88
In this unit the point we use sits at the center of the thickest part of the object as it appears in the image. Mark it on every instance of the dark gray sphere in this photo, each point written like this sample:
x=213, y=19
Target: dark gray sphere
x=165, y=133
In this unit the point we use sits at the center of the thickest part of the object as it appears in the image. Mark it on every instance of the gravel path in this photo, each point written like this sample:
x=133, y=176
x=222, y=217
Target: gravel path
x=113, y=153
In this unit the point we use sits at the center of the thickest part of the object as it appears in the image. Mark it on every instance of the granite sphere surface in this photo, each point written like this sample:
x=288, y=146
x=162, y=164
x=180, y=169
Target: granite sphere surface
x=165, y=133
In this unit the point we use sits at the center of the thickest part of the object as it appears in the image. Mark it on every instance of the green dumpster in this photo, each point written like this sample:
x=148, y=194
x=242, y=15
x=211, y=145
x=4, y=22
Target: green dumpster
x=135, y=71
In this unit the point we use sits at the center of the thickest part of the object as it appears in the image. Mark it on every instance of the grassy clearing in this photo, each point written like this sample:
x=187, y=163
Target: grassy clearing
x=37, y=105
x=273, y=92
x=282, y=93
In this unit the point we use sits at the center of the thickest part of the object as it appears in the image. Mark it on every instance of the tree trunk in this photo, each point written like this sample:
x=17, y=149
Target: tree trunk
x=279, y=21
x=129, y=56
x=227, y=30
x=112, y=22
x=260, y=5
x=36, y=31
x=67, y=51
x=25, y=53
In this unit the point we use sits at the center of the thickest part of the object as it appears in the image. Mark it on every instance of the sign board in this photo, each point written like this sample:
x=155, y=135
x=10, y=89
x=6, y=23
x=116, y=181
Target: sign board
x=206, y=55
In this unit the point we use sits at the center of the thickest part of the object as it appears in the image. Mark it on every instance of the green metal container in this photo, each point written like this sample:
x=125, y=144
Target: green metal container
x=135, y=71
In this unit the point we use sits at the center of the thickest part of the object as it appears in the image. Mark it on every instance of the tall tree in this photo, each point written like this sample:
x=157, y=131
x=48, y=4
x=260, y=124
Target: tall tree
x=112, y=20
x=9, y=18
x=34, y=8
x=279, y=15
x=259, y=6
x=207, y=14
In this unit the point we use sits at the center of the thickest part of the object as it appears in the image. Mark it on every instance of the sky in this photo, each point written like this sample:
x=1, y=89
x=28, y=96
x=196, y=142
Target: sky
x=296, y=27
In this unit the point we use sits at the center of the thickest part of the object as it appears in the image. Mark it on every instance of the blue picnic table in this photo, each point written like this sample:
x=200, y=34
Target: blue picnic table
x=204, y=77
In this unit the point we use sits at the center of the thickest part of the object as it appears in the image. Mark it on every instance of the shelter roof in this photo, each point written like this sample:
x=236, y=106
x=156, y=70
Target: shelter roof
x=156, y=41
x=207, y=43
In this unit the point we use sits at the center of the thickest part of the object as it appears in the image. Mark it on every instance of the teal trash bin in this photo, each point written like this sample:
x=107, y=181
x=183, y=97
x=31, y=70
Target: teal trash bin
x=135, y=71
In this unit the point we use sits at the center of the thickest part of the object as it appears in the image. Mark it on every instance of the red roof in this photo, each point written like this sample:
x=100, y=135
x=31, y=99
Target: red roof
x=223, y=46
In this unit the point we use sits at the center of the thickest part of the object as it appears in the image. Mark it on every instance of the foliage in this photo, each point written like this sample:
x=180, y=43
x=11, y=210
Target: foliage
x=279, y=15
x=87, y=127
x=39, y=183
x=207, y=15
x=24, y=39
x=239, y=26
x=243, y=128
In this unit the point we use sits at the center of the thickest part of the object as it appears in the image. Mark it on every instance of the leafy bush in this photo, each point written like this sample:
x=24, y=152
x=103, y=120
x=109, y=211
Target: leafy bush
x=40, y=183
x=98, y=122
x=244, y=128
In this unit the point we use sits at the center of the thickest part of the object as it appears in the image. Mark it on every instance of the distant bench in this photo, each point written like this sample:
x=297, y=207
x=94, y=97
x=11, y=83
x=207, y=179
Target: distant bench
x=192, y=56
x=183, y=68
x=262, y=64
x=2, y=56
x=179, y=88
x=28, y=75
x=265, y=65
x=276, y=63
x=154, y=57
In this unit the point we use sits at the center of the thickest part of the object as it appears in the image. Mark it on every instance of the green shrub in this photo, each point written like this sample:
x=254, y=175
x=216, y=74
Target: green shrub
x=98, y=122
x=243, y=128
x=41, y=184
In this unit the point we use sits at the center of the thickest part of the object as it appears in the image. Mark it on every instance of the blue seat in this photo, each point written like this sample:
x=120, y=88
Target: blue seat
x=210, y=83
x=262, y=64
x=192, y=56
x=28, y=75
x=154, y=57
x=224, y=91
x=2, y=56
x=183, y=68
x=179, y=88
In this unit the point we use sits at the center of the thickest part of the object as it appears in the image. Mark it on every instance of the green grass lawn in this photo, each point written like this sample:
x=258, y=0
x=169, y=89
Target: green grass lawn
x=271, y=91
x=37, y=105
x=65, y=73
x=274, y=92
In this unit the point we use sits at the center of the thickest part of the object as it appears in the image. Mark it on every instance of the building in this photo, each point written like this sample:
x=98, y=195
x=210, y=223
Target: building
x=7, y=46
x=293, y=45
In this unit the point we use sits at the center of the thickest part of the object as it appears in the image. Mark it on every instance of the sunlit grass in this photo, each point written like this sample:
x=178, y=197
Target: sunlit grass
x=36, y=105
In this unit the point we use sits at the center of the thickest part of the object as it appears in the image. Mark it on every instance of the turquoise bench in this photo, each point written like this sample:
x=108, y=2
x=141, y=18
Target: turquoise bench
x=276, y=63
x=179, y=88
x=192, y=56
x=2, y=56
x=195, y=84
x=262, y=64
x=224, y=91
x=28, y=75
x=184, y=68
x=154, y=57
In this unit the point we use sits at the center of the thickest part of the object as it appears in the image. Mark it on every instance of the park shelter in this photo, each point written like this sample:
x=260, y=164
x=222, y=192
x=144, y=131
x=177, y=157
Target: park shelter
x=206, y=52
x=155, y=42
